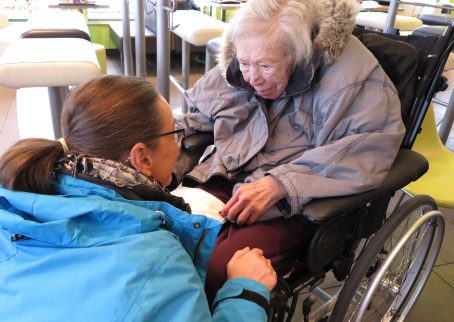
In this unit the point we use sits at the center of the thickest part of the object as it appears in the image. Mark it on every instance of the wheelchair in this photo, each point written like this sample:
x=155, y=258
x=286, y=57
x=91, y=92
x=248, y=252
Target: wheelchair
x=382, y=252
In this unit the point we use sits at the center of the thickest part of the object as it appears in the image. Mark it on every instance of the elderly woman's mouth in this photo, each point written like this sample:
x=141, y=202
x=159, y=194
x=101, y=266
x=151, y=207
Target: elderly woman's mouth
x=264, y=92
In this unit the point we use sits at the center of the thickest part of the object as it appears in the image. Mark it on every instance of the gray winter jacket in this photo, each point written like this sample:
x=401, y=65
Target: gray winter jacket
x=335, y=131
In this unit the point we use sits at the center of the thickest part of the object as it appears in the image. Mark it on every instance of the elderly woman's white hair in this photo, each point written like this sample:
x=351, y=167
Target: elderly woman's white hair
x=284, y=23
x=303, y=27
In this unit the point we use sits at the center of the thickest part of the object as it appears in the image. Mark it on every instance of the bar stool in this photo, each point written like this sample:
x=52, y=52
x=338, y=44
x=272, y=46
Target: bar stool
x=30, y=64
x=194, y=28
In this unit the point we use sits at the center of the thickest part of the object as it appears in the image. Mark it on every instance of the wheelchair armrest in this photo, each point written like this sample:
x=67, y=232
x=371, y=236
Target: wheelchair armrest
x=407, y=167
x=198, y=141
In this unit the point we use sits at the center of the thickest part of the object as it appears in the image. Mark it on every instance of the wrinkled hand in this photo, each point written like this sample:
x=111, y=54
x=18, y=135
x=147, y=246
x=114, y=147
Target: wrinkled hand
x=252, y=200
x=250, y=263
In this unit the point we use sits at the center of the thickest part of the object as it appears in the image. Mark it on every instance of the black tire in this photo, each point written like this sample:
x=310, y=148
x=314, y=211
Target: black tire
x=392, y=296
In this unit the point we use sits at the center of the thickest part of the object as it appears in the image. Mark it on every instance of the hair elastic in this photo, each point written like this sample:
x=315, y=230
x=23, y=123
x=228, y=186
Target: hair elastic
x=64, y=145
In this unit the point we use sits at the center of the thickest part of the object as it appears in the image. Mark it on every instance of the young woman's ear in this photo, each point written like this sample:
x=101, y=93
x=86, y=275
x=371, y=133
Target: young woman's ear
x=141, y=159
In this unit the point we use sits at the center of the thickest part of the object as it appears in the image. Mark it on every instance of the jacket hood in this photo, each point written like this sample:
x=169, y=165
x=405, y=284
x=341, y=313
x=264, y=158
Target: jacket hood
x=332, y=29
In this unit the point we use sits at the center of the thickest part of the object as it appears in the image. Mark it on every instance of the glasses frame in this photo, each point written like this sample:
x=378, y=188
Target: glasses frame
x=178, y=133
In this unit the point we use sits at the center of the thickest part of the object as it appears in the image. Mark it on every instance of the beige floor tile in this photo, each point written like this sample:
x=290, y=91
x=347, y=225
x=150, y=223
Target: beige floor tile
x=7, y=94
x=446, y=272
x=447, y=248
x=7, y=139
x=10, y=124
x=435, y=303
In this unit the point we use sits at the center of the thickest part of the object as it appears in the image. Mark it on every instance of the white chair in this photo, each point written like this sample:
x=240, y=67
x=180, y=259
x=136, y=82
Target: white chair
x=30, y=65
x=194, y=28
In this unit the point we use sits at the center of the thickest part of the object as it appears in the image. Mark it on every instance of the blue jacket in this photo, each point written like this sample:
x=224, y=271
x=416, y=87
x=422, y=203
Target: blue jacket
x=91, y=255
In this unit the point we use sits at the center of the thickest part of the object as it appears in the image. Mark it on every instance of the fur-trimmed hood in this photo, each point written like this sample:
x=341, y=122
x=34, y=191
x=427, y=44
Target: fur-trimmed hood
x=332, y=29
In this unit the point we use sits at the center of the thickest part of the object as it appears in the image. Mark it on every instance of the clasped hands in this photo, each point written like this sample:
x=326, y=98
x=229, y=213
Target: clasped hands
x=252, y=200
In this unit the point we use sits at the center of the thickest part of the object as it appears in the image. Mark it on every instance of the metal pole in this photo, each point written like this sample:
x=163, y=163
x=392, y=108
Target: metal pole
x=186, y=51
x=391, y=17
x=163, y=49
x=57, y=96
x=141, y=70
x=127, y=52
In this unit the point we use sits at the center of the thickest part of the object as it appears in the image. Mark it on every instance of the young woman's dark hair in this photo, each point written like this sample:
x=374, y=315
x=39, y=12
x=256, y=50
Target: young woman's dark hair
x=103, y=117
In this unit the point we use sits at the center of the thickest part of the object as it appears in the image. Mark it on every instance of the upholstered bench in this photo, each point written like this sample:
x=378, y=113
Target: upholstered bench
x=30, y=65
x=194, y=28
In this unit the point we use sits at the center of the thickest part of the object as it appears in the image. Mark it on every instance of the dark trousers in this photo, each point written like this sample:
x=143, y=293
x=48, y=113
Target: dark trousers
x=279, y=238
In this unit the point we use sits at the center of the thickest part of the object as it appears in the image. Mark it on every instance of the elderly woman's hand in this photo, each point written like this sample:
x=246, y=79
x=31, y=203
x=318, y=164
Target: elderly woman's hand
x=252, y=200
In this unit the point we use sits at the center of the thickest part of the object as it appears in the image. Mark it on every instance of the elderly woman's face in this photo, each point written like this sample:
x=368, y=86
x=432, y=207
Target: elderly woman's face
x=266, y=69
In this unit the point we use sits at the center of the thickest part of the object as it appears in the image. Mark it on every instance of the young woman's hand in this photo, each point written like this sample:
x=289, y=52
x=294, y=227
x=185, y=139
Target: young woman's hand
x=250, y=263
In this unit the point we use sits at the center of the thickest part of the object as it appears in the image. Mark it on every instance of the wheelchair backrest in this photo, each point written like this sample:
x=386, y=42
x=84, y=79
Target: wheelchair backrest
x=414, y=64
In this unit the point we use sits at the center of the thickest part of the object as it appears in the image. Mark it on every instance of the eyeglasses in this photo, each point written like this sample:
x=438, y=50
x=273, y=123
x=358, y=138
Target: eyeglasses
x=178, y=134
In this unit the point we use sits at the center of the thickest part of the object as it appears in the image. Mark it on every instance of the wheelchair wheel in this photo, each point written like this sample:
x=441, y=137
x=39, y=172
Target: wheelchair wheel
x=392, y=270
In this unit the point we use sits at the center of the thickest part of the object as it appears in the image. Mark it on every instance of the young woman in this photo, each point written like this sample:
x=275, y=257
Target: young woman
x=88, y=231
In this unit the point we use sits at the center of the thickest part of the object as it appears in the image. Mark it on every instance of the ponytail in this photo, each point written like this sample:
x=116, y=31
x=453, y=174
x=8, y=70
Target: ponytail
x=29, y=165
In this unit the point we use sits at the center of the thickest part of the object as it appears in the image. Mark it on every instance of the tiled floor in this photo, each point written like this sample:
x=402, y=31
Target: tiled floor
x=436, y=301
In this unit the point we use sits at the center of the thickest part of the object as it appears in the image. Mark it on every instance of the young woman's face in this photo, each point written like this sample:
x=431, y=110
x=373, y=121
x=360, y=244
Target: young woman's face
x=166, y=150
x=266, y=69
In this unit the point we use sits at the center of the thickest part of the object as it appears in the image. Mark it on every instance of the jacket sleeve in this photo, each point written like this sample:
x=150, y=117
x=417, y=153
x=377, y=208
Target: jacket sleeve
x=175, y=292
x=209, y=97
x=357, y=133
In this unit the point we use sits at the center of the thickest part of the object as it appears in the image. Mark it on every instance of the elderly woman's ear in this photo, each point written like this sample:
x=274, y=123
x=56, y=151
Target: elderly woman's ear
x=141, y=159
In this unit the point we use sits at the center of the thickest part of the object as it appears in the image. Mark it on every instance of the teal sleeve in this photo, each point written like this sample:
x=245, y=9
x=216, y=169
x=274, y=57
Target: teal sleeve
x=228, y=306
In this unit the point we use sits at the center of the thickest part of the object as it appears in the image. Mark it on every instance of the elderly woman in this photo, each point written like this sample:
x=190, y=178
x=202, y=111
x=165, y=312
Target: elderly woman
x=299, y=109
x=88, y=231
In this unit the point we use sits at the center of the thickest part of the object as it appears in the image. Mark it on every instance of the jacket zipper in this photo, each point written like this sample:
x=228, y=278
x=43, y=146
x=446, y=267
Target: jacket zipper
x=199, y=244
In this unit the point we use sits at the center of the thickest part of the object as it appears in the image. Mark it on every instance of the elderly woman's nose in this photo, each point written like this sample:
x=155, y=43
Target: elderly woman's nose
x=255, y=76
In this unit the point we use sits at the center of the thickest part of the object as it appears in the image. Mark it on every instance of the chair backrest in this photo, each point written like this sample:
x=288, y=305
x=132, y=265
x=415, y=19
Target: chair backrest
x=414, y=64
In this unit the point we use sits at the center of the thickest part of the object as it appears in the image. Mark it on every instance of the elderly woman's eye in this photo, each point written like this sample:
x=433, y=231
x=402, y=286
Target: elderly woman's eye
x=265, y=67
